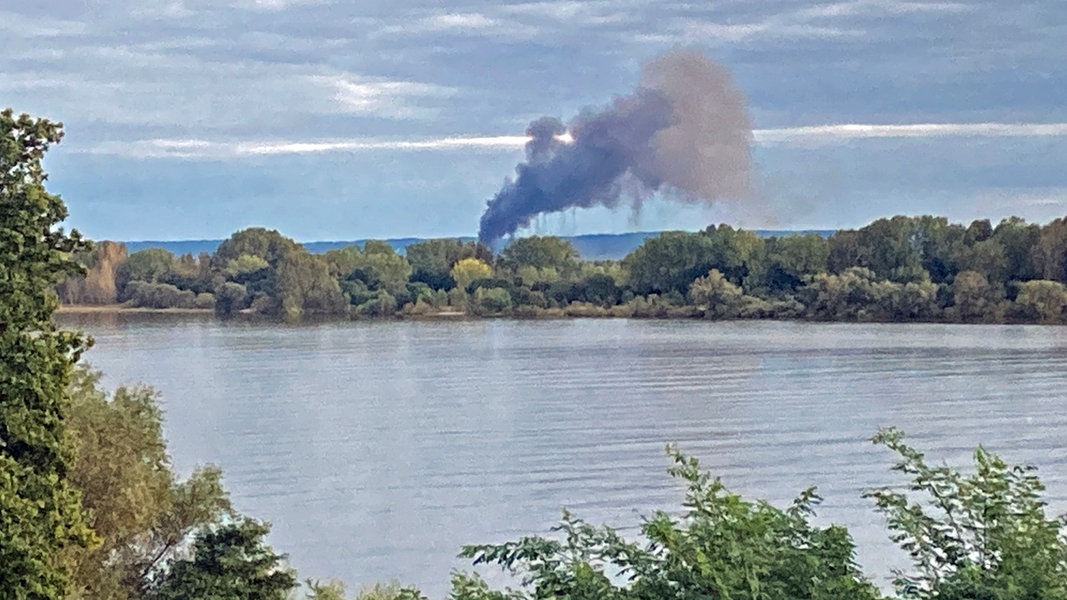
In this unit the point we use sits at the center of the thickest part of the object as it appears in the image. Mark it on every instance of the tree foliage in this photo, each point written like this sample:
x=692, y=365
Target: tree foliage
x=721, y=546
x=432, y=260
x=137, y=506
x=540, y=252
x=718, y=297
x=305, y=286
x=469, y=270
x=893, y=269
x=229, y=562
x=983, y=535
x=266, y=244
x=40, y=512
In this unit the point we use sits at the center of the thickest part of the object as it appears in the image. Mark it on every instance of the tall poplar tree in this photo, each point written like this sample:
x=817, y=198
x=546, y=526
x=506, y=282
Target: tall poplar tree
x=40, y=513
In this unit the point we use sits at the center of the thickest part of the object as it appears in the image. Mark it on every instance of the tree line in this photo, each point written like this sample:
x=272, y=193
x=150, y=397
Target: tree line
x=894, y=269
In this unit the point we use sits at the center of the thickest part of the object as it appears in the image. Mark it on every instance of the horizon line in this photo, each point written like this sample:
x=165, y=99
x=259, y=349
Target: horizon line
x=472, y=236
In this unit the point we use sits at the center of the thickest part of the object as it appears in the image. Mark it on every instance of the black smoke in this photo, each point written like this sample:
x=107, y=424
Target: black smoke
x=683, y=132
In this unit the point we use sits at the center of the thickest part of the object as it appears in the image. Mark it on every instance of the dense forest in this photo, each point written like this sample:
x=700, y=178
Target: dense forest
x=895, y=269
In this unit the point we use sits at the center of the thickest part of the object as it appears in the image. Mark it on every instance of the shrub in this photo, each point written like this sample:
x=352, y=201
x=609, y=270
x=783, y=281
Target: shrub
x=204, y=300
x=492, y=300
x=158, y=295
x=721, y=547
x=983, y=535
x=230, y=297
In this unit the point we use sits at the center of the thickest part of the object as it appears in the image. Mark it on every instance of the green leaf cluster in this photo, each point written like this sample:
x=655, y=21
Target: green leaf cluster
x=720, y=546
x=983, y=535
x=40, y=512
x=229, y=562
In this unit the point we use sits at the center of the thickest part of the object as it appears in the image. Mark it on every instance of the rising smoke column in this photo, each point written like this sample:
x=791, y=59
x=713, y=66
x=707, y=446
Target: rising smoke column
x=684, y=132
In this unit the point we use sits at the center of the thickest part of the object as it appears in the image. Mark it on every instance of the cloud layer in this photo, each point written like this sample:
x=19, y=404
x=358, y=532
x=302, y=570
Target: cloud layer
x=204, y=149
x=209, y=87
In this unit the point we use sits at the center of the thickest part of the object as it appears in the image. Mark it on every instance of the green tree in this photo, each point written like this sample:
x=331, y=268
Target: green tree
x=540, y=252
x=900, y=249
x=1019, y=240
x=792, y=260
x=151, y=265
x=1047, y=298
x=230, y=298
x=389, y=591
x=719, y=298
x=343, y=261
x=377, y=267
x=739, y=255
x=977, y=536
x=305, y=287
x=598, y=288
x=893, y=248
x=229, y=562
x=266, y=244
x=384, y=267
x=844, y=251
x=135, y=503
x=491, y=300
x=669, y=262
x=432, y=260
x=986, y=257
x=911, y=301
x=244, y=264
x=1051, y=251
x=40, y=512
x=973, y=297
x=158, y=295
x=848, y=296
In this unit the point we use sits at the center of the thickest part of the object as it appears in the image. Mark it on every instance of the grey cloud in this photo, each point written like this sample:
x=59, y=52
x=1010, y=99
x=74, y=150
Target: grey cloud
x=302, y=75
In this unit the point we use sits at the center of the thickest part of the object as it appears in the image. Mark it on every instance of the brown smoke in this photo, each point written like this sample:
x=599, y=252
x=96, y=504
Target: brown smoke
x=704, y=155
x=684, y=132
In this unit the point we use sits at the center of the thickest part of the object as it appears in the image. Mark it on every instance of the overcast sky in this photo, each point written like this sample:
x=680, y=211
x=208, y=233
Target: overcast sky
x=349, y=119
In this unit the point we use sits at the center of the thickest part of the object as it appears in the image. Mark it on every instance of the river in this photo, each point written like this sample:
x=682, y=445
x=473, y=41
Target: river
x=377, y=448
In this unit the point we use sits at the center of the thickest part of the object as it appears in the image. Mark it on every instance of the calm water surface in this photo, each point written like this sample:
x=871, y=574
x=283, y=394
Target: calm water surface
x=376, y=449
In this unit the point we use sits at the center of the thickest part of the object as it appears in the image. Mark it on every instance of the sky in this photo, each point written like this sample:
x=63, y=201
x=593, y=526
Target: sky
x=339, y=120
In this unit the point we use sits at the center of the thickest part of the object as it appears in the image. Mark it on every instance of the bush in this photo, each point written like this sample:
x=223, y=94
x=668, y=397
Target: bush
x=229, y=561
x=984, y=535
x=458, y=299
x=586, y=310
x=721, y=547
x=204, y=300
x=647, y=307
x=419, y=308
x=491, y=301
x=230, y=297
x=158, y=295
x=382, y=304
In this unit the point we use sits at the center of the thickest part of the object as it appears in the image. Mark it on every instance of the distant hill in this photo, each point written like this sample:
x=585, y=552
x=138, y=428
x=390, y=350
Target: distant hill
x=596, y=246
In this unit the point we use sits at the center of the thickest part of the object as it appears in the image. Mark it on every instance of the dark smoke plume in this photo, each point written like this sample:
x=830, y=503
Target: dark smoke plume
x=684, y=132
